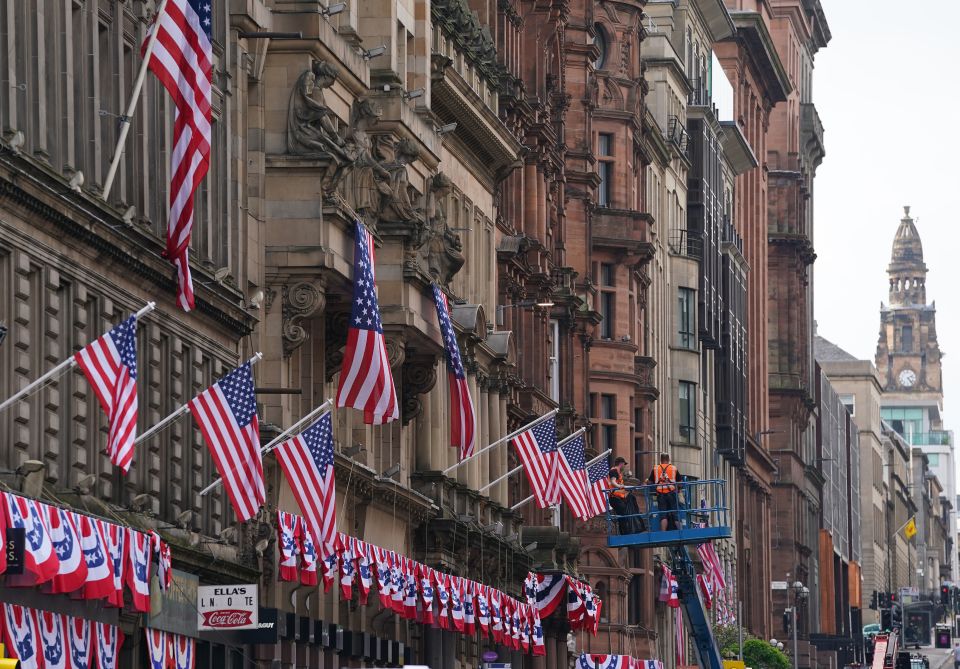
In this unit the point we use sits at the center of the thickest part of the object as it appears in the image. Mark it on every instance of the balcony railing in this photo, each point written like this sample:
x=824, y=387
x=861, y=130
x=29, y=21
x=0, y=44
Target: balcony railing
x=677, y=134
x=934, y=438
x=686, y=243
x=699, y=95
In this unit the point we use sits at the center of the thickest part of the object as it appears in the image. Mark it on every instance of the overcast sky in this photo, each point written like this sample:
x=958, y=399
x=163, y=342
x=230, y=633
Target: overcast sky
x=887, y=91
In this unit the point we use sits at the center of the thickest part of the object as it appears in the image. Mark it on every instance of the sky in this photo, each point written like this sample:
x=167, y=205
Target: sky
x=888, y=96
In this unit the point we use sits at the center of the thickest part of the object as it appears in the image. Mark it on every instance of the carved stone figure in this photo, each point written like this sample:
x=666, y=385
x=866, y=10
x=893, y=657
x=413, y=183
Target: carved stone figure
x=312, y=126
x=398, y=205
x=443, y=248
x=368, y=180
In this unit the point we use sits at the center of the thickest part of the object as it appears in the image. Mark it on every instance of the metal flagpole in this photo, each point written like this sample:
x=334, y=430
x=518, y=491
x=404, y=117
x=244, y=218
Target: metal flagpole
x=280, y=437
x=69, y=363
x=179, y=412
x=499, y=441
x=519, y=467
x=594, y=461
x=134, y=99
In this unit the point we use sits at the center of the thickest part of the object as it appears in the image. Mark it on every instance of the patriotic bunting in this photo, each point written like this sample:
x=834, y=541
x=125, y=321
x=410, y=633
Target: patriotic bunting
x=348, y=569
x=77, y=554
x=681, y=635
x=109, y=641
x=308, y=552
x=22, y=635
x=79, y=642
x=586, y=661
x=53, y=640
x=184, y=652
x=157, y=648
x=669, y=589
x=72, y=574
x=287, y=545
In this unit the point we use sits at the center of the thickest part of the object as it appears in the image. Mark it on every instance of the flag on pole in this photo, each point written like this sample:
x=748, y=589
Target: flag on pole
x=462, y=417
x=712, y=566
x=182, y=59
x=910, y=529
x=307, y=462
x=110, y=365
x=598, y=483
x=537, y=449
x=227, y=415
x=572, y=470
x=366, y=382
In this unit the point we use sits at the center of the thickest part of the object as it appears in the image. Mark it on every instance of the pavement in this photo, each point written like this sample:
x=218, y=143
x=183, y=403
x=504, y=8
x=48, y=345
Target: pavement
x=940, y=658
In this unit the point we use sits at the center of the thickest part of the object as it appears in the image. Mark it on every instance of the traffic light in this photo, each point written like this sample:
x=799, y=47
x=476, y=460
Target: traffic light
x=873, y=600
x=886, y=621
x=944, y=594
x=893, y=599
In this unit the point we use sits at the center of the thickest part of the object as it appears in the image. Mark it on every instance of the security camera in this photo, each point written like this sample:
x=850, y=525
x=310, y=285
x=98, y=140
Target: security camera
x=414, y=94
x=333, y=9
x=375, y=52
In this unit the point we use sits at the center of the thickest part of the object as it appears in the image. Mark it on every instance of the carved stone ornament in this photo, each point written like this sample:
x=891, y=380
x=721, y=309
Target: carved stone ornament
x=337, y=324
x=442, y=247
x=312, y=125
x=397, y=203
x=300, y=300
x=419, y=377
x=367, y=181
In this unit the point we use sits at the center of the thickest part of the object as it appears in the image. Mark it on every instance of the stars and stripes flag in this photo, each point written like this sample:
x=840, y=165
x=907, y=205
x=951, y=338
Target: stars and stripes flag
x=227, y=415
x=366, y=382
x=572, y=471
x=307, y=462
x=537, y=449
x=712, y=566
x=182, y=60
x=110, y=365
x=463, y=420
x=598, y=483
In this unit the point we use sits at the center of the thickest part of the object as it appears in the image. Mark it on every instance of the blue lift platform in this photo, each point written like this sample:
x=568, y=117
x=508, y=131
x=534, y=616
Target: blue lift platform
x=701, y=516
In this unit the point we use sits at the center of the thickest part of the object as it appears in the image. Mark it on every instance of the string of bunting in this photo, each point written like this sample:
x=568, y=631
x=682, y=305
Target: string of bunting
x=596, y=661
x=74, y=553
x=418, y=592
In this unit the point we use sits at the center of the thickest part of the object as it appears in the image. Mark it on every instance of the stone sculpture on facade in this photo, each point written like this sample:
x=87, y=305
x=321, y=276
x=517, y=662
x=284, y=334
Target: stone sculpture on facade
x=397, y=206
x=368, y=180
x=442, y=248
x=312, y=125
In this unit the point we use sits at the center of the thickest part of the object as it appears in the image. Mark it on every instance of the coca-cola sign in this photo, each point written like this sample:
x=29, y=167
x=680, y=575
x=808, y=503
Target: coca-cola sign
x=227, y=607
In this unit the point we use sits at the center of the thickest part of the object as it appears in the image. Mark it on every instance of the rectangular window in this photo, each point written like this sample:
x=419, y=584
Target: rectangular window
x=606, y=277
x=906, y=338
x=555, y=361
x=687, y=315
x=688, y=412
x=604, y=409
x=605, y=169
x=850, y=402
x=933, y=459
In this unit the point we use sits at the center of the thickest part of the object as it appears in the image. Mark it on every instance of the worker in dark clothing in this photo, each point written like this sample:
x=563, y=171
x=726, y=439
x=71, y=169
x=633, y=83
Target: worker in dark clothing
x=665, y=476
x=623, y=502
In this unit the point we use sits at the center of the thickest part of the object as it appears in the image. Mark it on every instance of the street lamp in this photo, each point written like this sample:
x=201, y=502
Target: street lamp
x=501, y=308
x=800, y=591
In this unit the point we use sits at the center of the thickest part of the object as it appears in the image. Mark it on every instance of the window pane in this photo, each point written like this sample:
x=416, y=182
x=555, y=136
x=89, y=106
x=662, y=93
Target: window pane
x=605, y=144
x=606, y=310
x=608, y=407
x=606, y=274
x=687, y=412
x=687, y=318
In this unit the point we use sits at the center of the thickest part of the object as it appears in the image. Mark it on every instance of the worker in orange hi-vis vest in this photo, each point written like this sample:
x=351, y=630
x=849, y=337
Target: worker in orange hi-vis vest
x=665, y=476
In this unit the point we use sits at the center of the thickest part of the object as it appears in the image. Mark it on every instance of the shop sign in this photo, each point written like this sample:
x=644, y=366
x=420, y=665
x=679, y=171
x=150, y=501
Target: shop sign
x=13, y=546
x=227, y=607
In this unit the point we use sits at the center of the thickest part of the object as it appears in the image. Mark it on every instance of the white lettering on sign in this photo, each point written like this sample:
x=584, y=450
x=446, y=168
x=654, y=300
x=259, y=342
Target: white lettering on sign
x=227, y=607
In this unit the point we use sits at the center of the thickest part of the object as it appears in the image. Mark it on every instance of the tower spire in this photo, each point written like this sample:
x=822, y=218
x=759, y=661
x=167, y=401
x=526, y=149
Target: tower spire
x=907, y=271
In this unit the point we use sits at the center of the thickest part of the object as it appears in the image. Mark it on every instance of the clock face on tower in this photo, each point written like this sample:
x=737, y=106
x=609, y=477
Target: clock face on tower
x=907, y=378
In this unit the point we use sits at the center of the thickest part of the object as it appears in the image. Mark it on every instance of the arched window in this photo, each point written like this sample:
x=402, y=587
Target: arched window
x=602, y=45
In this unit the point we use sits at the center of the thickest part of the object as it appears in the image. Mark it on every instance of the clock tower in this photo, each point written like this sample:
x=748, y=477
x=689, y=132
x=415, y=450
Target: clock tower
x=908, y=355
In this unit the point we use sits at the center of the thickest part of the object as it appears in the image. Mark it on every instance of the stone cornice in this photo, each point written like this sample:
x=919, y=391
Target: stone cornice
x=756, y=38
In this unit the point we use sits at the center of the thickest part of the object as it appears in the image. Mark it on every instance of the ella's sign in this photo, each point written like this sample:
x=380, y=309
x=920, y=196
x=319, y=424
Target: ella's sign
x=227, y=607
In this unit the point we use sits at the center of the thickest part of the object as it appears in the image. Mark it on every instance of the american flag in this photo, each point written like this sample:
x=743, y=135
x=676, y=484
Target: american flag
x=182, y=59
x=307, y=462
x=572, y=470
x=366, y=382
x=712, y=566
x=227, y=415
x=110, y=365
x=597, y=484
x=537, y=448
x=681, y=639
x=463, y=420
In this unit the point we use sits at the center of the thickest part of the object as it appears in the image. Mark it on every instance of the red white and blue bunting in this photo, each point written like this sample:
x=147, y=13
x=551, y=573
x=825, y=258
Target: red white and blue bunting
x=595, y=661
x=58, y=641
x=77, y=554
